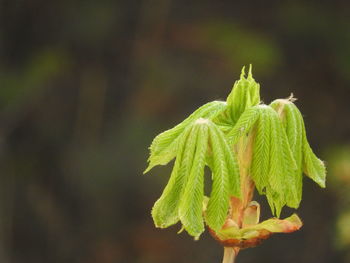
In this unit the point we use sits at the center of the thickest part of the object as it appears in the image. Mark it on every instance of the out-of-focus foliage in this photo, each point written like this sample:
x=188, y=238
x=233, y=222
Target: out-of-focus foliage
x=84, y=86
x=339, y=160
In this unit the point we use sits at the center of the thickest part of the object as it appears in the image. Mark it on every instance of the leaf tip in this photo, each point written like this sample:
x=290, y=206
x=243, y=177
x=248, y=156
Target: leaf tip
x=243, y=72
x=250, y=72
x=149, y=167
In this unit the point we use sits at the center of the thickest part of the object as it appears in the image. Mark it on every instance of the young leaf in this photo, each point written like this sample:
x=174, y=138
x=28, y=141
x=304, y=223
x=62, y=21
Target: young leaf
x=293, y=127
x=165, y=146
x=277, y=185
x=190, y=209
x=273, y=164
x=312, y=166
x=225, y=179
x=245, y=94
x=232, y=165
x=292, y=121
x=292, y=180
x=261, y=153
x=243, y=125
x=305, y=159
x=165, y=210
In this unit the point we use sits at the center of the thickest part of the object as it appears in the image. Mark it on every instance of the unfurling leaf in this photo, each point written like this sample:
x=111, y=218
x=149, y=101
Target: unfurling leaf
x=312, y=166
x=304, y=157
x=165, y=210
x=243, y=125
x=182, y=198
x=225, y=179
x=245, y=94
x=190, y=209
x=273, y=167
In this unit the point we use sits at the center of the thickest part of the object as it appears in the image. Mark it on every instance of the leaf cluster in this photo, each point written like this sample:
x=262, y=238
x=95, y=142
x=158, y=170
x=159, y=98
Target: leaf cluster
x=210, y=136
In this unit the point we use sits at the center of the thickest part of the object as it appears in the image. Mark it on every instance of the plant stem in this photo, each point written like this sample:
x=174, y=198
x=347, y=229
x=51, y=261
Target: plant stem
x=230, y=255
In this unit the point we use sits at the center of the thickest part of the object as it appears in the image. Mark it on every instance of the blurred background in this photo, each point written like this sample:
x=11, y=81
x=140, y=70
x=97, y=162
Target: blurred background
x=86, y=85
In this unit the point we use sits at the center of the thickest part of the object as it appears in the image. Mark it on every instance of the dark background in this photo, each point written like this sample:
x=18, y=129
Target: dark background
x=86, y=85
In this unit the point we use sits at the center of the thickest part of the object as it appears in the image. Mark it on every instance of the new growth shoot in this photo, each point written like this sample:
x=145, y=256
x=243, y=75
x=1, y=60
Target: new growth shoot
x=247, y=145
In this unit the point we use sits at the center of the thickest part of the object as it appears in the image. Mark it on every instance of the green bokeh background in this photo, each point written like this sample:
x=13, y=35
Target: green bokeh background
x=86, y=85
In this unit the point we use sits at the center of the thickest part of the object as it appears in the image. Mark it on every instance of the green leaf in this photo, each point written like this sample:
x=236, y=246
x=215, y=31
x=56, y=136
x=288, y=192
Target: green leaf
x=245, y=94
x=225, y=179
x=165, y=146
x=243, y=125
x=273, y=167
x=293, y=126
x=277, y=185
x=190, y=209
x=312, y=166
x=260, y=167
x=183, y=196
x=292, y=122
x=283, y=167
x=292, y=176
x=275, y=201
x=305, y=159
x=231, y=161
x=165, y=210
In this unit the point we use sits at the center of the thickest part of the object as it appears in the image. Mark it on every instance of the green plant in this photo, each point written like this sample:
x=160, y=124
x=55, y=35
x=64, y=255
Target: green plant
x=246, y=145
